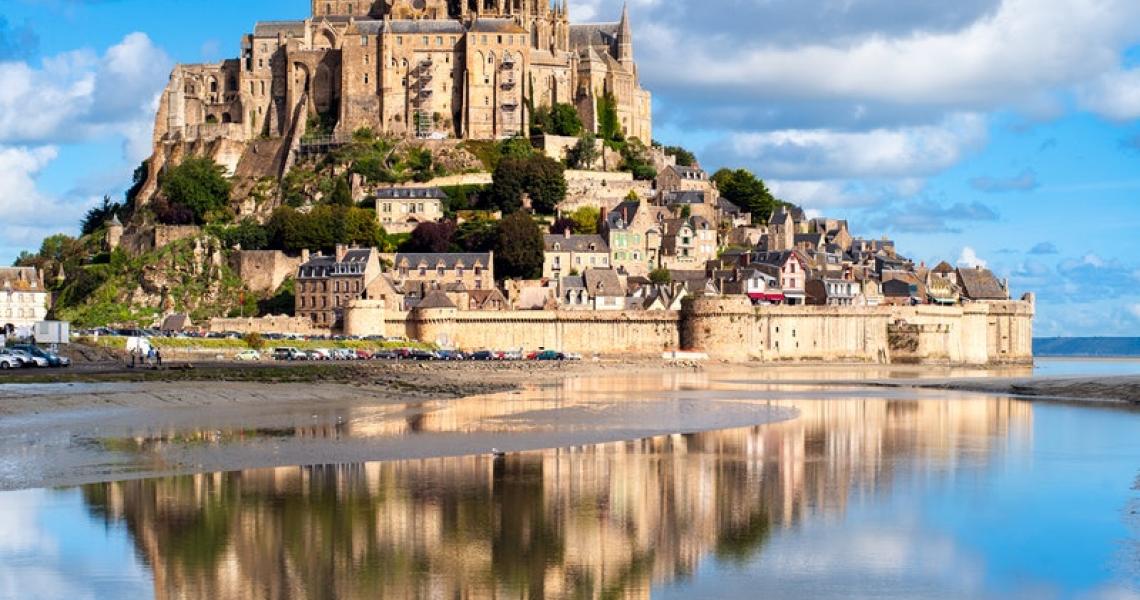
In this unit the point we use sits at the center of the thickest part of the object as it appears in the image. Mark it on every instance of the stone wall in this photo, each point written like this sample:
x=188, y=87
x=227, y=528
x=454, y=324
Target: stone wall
x=724, y=328
x=601, y=190
x=270, y=324
x=139, y=240
x=264, y=270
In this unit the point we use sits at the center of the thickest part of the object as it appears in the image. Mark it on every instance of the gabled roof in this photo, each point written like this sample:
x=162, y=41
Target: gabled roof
x=575, y=243
x=573, y=282
x=603, y=282
x=684, y=197
x=981, y=284
x=436, y=299
x=693, y=173
x=448, y=260
x=593, y=34
x=943, y=268
x=414, y=26
x=272, y=28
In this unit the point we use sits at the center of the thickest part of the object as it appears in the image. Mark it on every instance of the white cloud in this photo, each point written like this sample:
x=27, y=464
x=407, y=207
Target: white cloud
x=1115, y=95
x=79, y=95
x=905, y=152
x=969, y=258
x=985, y=64
x=28, y=214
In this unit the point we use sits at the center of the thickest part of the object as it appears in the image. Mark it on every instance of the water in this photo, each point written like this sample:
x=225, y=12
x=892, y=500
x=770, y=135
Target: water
x=908, y=496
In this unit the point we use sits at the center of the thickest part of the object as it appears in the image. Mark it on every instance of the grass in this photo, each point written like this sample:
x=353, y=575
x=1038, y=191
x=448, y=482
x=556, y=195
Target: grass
x=120, y=343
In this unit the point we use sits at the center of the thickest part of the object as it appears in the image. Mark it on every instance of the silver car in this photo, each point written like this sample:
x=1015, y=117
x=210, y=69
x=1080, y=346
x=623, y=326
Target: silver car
x=9, y=360
x=35, y=361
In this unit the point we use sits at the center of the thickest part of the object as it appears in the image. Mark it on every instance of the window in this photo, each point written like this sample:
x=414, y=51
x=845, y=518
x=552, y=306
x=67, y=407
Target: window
x=366, y=79
x=399, y=40
x=363, y=40
x=439, y=40
x=425, y=40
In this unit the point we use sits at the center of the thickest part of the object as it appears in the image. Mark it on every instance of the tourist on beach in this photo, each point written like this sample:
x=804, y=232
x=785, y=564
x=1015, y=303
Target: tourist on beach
x=158, y=357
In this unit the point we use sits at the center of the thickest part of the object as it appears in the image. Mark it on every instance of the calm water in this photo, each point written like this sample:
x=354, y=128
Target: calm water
x=956, y=496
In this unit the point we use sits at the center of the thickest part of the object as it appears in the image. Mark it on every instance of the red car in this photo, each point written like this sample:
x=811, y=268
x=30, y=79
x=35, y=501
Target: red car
x=362, y=354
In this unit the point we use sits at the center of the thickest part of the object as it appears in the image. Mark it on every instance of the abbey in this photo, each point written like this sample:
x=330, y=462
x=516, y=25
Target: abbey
x=429, y=69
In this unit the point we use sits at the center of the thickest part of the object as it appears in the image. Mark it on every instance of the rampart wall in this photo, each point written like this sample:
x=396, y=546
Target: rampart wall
x=730, y=329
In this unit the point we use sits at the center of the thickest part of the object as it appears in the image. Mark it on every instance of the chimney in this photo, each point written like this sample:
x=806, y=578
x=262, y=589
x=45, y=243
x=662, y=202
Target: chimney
x=566, y=233
x=305, y=256
x=341, y=251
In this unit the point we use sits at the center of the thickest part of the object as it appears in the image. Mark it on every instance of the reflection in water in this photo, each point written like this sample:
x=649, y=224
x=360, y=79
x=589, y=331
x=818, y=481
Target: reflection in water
x=599, y=521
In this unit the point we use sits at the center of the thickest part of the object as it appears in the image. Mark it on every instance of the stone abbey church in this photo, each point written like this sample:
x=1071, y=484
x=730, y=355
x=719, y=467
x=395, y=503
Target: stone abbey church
x=430, y=69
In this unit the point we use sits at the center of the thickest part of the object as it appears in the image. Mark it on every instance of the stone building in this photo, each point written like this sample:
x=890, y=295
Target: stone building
x=687, y=242
x=634, y=232
x=400, y=210
x=472, y=270
x=326, y=284
x=568, y=254
x=429, y=69
x=23, y=297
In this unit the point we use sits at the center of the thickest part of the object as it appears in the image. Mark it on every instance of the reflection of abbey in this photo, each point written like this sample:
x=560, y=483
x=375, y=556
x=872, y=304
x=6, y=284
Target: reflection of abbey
x=413, y=68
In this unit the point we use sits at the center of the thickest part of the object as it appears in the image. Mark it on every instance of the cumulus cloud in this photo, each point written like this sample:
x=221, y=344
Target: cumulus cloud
x=969, y=258
x=1022, y=182
x=826, y=154
x=1115, y=94
x=80, y=95
x=927, y=216
x=28, y=214
x=1044, y=248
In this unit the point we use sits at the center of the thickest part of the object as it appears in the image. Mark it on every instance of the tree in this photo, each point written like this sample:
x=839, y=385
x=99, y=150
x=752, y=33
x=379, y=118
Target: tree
x=248, y=234
x=540, y=177
x=584, y=154
x=546, y=184
x=342, y=194
x=743, y=189
x=508, y=184
x=563, y=225
x=518, y=250
x=609, y=127
x=635, y=159
x=430, y=237
x=683, y=156
x=479, y=235
x=565, y=120
x=200, y=185
x=661, y=275
x=98, y=215
x=586, y=220
x=516, y=147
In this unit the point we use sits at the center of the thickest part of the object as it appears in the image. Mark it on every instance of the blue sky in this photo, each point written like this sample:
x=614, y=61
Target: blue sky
x=1001, y=132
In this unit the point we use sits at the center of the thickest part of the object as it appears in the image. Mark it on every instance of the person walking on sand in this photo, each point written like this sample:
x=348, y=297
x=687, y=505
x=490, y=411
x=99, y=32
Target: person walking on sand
x=158, y=357
x=134, y=352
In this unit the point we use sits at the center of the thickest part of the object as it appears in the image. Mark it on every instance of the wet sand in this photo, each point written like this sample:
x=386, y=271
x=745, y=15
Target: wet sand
x=107, y=423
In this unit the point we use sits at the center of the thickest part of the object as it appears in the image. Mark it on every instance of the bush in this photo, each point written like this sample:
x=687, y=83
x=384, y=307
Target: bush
x=253, y=340
x=199, y=185
x=518, y=249
x=430, y=237
x=661, y=276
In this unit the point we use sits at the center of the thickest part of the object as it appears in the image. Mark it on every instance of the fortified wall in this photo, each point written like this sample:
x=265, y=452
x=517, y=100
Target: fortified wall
x=731, y=329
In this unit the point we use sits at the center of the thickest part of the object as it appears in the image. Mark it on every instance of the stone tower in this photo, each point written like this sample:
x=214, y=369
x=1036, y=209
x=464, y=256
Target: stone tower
x=114, y=233
x=625, y=40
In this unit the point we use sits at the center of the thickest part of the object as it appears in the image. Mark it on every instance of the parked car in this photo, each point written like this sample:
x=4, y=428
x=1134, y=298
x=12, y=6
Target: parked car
x=9, y=360
x=572, y=356
x=549, y=355
x=422, y=355
x=362, y=354
x=248, y=355
x=288, y=353
x=449, y=355
x=317, y=354
x=30, y=360
x=483, y=355
x=385, y=355
x=54, y=360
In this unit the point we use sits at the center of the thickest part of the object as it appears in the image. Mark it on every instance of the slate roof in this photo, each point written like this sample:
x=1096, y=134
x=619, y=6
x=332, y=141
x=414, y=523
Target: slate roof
x=980, y=284
x=684, y=197
x=603, y=282
x=779, y=217
x=354, y=263
x=410, y=26
x=20, y=278
x=436, y=299
x=593, y=34
x=573, y=282
x=272, y=28
x=808, y=238
x=495, y=26
x=408, y=193
x=727, y=207
x=448, y=260
x=176, y=322
x=575, y=243
x=691, y=173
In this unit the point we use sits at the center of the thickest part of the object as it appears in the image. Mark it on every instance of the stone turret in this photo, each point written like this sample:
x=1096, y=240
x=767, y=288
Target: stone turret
x=114, y=234
x=625, y=40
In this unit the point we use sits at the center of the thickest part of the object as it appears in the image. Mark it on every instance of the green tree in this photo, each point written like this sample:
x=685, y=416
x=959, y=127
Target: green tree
x=661, y=275
x=479, y=235
x=342, y=193
x=518, y=249
x=745, y=190
x=200, y=185
x=248, y=234
x=635, y=159
x=515, y=147
x=683, y=156
x=565, y=120
x=508, y=184
x=98, y=215
x=586, y=219
x=609, y=127
x=584, y=154
x=546, y=184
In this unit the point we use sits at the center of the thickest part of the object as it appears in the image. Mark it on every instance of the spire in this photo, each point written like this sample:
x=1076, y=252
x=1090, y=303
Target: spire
x=625, y=39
